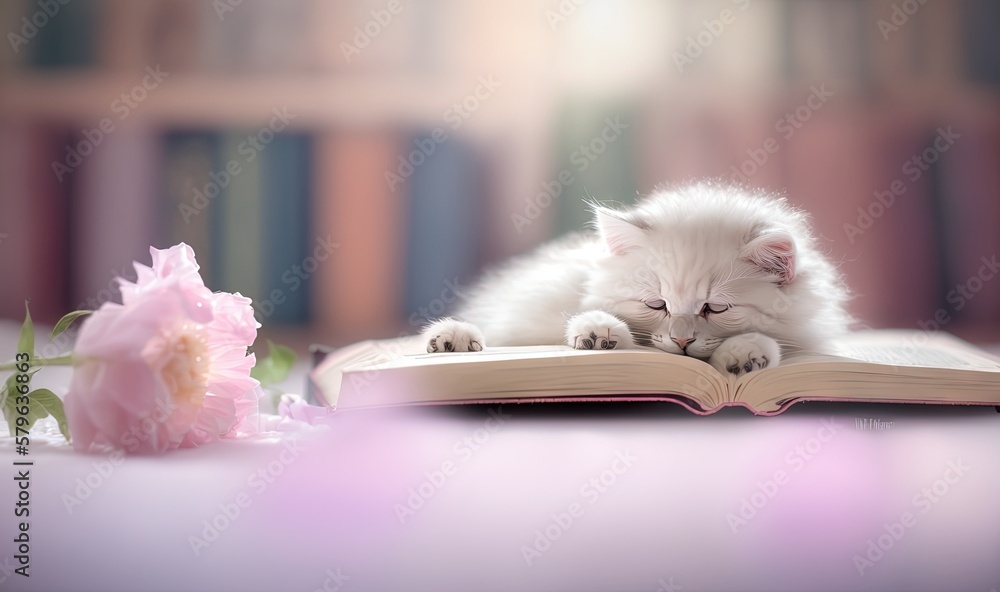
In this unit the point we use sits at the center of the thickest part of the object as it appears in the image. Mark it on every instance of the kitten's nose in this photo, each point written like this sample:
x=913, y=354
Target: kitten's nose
x=682, y=342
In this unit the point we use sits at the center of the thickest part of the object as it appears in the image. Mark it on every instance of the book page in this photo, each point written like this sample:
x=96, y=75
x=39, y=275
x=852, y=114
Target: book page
x=394, y=372
x=915, y=349
x=925, y=357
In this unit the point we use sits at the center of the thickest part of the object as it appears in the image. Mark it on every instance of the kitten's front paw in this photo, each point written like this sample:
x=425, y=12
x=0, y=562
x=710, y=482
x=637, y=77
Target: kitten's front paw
x=597, y=329
x=449, y=335
x=742, y=354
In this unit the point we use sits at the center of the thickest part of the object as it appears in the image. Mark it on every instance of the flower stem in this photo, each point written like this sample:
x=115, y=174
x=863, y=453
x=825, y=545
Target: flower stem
x=66, y=360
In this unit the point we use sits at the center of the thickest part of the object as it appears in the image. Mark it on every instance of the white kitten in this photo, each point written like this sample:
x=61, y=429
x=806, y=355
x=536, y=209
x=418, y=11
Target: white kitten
x=716, y=272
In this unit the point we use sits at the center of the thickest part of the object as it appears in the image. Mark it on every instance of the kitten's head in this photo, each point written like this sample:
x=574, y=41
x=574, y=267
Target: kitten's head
x=688, y=269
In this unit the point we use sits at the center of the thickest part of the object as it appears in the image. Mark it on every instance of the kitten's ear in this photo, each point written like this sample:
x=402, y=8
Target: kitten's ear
x=621, y=231
x=774, y=252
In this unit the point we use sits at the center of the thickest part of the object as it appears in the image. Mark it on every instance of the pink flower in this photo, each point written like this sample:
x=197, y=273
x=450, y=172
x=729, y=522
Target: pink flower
x=295, y=407
x=166, y=368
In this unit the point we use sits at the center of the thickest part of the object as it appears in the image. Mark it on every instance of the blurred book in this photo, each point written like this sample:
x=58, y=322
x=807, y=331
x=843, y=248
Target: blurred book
x=34, y=229
x=371, y=35
x=870, y=211
x=896, y=42
x=128, y=32
x=359, y=290
x=689, y=139
x=259, y=36
x=288, y=259
x=226, y=38
x=596, y=146
x=11, y=14
x=728, y=42
x=191, y=195
x=967, y=191
x=675, y=143
x=442, y=235
x=275, y=29
x=237, y=227
x=827, y=41
x=174, y=34
x=981, y=44
x=115, y=212
x=66, y=34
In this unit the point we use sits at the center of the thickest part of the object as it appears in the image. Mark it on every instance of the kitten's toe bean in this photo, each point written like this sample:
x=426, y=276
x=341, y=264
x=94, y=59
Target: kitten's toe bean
x=742, y=354
x=449, y=335
x=597, y=329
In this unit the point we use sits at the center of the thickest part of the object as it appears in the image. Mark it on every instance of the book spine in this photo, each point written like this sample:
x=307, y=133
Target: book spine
x=237, y=228
x=358, y=292
x=847, y=170
x=443, y=229
x=285, y=174
x=596, y=145
x=828, y=41
x=125, y=42
x=68, y=38
x=190, y=194
x=981, y=45
x=16, y=54
x=34, y=229
x=115, y=213
x=967, y=183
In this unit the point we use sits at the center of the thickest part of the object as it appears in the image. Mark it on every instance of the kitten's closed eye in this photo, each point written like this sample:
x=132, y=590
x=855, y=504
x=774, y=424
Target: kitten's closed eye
x=710, y=308
x=656, y=304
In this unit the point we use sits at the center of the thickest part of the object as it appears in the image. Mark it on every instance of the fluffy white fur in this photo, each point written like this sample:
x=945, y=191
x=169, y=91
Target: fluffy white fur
x=720, y=273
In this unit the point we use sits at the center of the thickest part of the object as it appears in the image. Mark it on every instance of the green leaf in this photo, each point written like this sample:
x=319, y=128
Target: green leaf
x=5, y=406
x=53, y=406
x=35, y=410
x=26, y=343
x=66, y=321
x=274, y=367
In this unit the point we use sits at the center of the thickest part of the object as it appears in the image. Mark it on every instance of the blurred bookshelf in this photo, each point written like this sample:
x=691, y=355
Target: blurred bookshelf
x=544, y=91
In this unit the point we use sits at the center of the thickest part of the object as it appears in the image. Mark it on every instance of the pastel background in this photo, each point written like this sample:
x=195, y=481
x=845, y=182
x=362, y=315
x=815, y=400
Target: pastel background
x=352, y=165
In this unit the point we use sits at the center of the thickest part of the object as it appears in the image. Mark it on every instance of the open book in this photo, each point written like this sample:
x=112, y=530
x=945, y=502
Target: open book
x=878, y=366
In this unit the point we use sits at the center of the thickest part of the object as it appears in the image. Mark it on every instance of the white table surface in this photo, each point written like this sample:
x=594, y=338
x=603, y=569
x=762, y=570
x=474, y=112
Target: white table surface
x=330, y=504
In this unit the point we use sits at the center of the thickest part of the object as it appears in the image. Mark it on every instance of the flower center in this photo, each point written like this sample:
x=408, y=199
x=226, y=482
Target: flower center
x=186, y=371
